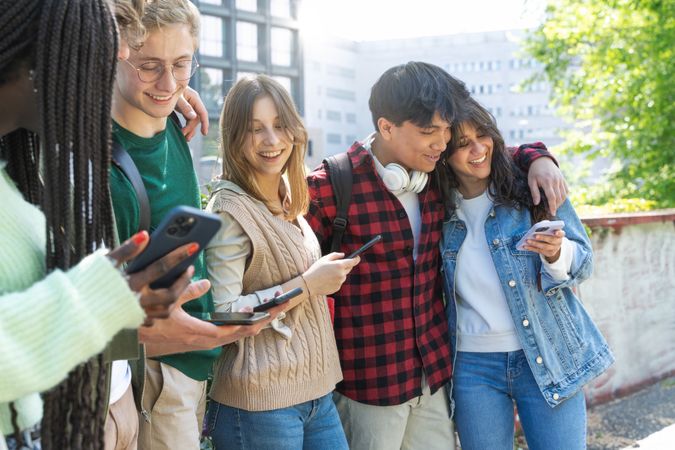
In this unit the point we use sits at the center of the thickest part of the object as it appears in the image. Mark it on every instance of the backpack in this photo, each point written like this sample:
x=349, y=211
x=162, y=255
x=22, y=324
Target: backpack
x=340, y=172
x=121, y=159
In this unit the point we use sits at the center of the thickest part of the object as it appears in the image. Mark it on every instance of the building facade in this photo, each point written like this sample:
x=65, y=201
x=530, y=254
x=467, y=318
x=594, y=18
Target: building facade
x=238, y=38
x=491, y=64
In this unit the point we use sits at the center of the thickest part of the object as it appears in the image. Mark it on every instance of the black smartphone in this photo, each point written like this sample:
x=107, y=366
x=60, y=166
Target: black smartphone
x=237, y=318
x=182, y=225
x=366, y=246
x=283, y=298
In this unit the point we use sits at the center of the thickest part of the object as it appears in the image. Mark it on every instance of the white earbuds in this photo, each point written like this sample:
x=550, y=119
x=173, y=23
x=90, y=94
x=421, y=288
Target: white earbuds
x=398, y=181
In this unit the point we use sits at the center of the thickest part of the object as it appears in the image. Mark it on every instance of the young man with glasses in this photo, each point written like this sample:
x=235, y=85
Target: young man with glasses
x=171, y=392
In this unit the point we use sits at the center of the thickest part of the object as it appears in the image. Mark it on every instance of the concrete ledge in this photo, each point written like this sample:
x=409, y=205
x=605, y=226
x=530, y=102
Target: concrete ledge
x=619, y=220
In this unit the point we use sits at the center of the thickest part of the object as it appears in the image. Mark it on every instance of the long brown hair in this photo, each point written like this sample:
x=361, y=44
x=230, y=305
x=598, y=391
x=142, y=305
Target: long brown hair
x=235, y=123
x=71, y=46
x=507, y=183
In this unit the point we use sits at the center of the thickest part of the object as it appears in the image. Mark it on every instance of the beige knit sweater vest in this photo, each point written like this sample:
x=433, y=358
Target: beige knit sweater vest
x=267, y=371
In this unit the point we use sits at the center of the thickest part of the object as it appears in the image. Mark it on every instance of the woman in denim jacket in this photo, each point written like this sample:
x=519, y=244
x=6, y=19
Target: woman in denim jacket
x=519, y=332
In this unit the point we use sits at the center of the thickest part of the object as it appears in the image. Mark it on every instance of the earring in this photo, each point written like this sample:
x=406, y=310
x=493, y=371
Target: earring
x=31, y=77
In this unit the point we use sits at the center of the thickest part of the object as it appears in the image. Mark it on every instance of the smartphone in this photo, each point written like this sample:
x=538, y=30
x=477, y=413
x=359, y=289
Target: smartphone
x=237, y=318
x=366, y=246
x=283, y=298
x=543, y=227
x=182, y=225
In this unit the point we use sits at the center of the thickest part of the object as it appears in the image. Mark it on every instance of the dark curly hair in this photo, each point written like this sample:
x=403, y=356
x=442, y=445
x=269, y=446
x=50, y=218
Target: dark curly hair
x=507, y=183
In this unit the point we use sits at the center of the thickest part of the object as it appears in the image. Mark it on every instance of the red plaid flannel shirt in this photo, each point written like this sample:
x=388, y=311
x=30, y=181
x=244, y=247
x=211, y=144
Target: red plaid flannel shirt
x=390, y=323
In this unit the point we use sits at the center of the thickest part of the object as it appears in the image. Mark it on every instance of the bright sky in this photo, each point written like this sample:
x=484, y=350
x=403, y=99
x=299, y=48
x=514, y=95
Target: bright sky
x=365, y=20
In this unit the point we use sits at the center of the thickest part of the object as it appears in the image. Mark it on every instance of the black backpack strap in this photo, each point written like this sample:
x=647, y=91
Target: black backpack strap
x=340, y=172
x=121, y=158
x=174, y=118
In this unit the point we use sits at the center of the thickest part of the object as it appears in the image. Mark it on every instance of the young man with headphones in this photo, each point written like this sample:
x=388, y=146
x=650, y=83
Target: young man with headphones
x=390, y=324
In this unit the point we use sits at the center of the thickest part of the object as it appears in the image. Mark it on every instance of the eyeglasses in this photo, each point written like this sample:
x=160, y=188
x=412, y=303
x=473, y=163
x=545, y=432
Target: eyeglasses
x=152, y=70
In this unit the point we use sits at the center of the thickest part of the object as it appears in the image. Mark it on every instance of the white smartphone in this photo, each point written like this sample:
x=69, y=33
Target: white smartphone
x=543, y=227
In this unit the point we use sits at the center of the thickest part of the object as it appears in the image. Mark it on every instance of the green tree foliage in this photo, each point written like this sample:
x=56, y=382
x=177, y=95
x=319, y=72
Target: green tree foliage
x=611, y=67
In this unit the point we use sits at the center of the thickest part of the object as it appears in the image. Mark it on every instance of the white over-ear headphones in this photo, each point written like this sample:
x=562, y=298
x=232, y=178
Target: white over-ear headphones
x=398, y=180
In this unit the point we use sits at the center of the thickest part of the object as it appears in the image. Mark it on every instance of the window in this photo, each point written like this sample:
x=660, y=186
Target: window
x=338, y=71
x=341, y=94
x=334, y=115
x=498, y=113
x=350, y=118
x=282, y=46
x=285, y=82
x=241, y=75
x=247, y=5
x=247, y=41
x=333, y=138
x=211, y=89
x=211, y=36
x=212, y=2
x=281, y=8
x=350, y=139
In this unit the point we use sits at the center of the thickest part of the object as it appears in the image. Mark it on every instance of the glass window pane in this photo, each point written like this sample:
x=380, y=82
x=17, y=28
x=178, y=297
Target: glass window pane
x=285, y=82
x=241, y=75
x=282, y=46
x=247, y=41
x=211, y=36
x=280, y=8
x=212, y=2
x=247, y=5
x=211, y=89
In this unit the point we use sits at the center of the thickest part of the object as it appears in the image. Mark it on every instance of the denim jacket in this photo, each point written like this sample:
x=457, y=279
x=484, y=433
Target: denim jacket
x=563, y=346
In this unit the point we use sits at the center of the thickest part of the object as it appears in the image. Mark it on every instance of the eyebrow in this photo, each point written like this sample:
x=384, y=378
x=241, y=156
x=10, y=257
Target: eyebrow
x=153, y=59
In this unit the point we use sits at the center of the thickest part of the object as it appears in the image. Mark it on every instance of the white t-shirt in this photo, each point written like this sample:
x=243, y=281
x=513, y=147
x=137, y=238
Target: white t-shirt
x=120, y=379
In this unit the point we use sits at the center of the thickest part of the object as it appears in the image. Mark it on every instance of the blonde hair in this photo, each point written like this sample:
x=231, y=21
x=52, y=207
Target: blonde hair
x=128, y=15
x=136, y=18
x=235, y=123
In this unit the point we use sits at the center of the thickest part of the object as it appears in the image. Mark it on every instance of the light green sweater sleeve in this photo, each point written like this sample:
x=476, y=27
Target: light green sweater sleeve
x=61, y=321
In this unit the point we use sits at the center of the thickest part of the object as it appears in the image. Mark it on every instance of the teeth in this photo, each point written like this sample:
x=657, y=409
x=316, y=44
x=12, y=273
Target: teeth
x=161, y=99
x=479, y=160
x=271, y=154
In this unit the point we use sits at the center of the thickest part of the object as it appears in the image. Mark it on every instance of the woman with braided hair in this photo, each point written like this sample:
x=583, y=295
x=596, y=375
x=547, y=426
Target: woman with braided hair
x=59, y=306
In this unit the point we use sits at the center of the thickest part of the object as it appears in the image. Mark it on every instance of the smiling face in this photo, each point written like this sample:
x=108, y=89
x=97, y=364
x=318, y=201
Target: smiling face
x=268, y=143
x=412, y=146
x=171, y=44
x=471, y=160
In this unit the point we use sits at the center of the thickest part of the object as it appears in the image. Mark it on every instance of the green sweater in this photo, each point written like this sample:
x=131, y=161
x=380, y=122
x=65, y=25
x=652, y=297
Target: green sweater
x=165, y=164
x=49, y=324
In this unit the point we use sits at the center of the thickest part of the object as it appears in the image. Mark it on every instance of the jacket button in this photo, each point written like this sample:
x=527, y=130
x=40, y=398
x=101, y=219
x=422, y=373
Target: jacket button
x=539, y=360
x=526, y=323
x=492, y=213
x=512, y=283
x=495, y=242
x=556, y=396
x=402, y=215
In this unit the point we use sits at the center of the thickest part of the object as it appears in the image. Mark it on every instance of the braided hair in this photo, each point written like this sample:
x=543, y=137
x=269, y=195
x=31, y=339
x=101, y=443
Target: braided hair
x=70, y=47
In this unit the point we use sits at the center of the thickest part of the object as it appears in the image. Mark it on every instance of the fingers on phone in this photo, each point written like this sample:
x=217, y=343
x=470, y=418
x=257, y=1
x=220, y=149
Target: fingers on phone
x=163, y=265
x=130, y=248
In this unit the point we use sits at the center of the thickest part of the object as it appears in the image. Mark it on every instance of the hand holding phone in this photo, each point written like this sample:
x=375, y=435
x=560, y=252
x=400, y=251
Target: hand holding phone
x=182, y=225
x=237, y=318
x=544, y=227
x=278, y=300
x=365, y=246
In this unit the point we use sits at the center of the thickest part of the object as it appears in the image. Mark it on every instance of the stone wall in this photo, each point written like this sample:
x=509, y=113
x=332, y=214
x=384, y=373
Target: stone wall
x=631, y=296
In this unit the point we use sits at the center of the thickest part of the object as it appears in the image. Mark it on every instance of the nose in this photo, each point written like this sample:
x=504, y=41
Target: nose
x=167, y=82
x=441, y=142
x=271, y=137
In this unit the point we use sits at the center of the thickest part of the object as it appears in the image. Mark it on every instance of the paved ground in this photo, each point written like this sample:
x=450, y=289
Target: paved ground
x=622, y=422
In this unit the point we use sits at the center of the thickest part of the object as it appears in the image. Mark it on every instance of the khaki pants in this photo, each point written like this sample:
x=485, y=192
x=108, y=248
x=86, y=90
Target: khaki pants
x=121, y=425
x=175, y=403
x=422, y=423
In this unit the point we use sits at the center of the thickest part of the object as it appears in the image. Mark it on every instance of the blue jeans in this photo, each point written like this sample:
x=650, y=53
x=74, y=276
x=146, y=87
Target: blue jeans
x=313, y=425
x=484, y=388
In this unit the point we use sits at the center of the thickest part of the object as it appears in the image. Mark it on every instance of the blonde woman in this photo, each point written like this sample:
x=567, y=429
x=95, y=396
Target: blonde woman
x=272, y=390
